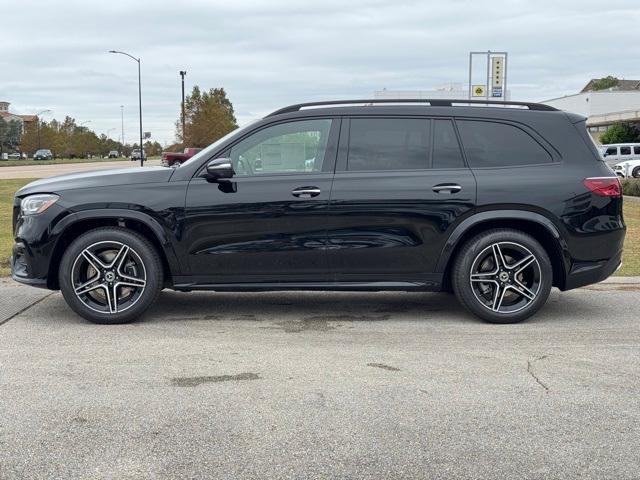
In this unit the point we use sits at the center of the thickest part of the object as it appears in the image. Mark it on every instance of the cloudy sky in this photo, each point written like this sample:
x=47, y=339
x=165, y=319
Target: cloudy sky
x=266, y=54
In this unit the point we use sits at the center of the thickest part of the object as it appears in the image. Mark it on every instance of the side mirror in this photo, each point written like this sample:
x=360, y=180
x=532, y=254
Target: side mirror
x=605, y=154
x=220, y=169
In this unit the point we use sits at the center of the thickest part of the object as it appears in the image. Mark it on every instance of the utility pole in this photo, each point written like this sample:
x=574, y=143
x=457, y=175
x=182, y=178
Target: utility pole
x=122, y=122
x=182, y=74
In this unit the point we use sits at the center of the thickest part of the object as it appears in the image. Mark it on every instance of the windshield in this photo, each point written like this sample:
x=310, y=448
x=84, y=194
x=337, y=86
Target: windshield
x=41, y=152
x=211, y=148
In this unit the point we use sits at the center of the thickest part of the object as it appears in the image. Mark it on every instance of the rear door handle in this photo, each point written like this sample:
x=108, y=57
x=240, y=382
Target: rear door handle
x=306, y=192
x=447, y=188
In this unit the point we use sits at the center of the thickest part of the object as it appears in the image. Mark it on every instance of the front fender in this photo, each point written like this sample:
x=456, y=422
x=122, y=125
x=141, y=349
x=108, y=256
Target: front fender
x=124, y=214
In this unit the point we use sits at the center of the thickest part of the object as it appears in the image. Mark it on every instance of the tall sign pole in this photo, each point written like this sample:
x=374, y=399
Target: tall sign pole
x=182, y=74
x=494, y=84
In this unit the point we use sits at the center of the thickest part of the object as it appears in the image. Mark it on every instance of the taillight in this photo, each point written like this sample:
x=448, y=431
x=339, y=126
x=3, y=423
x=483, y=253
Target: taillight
x=604, y=186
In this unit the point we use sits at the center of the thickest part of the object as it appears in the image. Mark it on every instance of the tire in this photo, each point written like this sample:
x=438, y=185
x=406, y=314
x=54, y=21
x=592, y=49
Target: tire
x=635, y=173
x=507, y=290
x=107, y=260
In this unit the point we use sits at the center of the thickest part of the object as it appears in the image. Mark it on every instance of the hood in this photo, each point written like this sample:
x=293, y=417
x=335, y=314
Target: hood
x=98, y=178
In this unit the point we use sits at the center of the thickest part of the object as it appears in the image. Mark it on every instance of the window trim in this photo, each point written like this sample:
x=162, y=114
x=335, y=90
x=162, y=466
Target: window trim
x=345, y=136
x=554, y=155
x=328, y=164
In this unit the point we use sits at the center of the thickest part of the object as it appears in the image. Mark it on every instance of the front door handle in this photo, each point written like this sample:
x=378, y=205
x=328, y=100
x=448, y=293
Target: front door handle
x=447, y=188
x=306, y=192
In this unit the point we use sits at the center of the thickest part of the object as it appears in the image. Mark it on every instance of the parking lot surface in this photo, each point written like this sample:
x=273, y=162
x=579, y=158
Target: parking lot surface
x=323, y=385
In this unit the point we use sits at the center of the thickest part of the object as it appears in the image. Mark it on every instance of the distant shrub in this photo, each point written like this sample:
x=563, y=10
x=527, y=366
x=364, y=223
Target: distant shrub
x=631, y=186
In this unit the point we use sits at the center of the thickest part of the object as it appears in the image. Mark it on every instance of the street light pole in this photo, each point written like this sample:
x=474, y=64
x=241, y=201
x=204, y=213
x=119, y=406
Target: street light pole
x=38, y=116
x=122, y=122
x=139, y=100
x=182, y=74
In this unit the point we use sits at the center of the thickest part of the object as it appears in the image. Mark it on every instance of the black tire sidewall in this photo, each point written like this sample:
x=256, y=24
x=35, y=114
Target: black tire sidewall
x=635, y=173
x=148, y=255
x=462, y=270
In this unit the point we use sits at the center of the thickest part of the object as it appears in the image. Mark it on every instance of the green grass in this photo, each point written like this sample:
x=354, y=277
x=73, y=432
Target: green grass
x=630, y=260
x=631, y=252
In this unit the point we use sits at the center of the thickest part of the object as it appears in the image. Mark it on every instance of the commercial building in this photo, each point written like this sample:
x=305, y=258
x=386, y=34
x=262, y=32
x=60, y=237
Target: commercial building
x=24, y=120
x=603, y=108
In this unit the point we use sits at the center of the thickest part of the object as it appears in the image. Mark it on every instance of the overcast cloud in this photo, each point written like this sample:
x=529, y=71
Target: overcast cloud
x=266, y=54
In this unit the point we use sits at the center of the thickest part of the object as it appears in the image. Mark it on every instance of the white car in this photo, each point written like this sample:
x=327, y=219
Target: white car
x=615, y=153
x=627, y=169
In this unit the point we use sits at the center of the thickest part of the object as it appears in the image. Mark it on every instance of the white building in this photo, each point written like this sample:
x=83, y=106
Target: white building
x=603, y=107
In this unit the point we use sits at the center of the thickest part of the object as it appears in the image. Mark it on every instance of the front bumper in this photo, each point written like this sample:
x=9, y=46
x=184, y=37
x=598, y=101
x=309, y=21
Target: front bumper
x=22, y=268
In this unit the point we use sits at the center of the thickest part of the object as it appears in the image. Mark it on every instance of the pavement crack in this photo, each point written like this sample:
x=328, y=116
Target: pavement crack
x=6, y=320
x=383, y=366
x=532, y=373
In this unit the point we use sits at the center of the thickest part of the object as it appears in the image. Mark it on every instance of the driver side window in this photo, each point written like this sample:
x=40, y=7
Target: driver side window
x=293, y=147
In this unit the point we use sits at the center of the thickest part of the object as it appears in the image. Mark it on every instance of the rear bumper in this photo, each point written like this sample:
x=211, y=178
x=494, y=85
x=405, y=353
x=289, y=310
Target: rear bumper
x=587, y=273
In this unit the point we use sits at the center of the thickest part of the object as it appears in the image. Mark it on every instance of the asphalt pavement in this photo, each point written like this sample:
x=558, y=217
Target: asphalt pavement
x=321, y=385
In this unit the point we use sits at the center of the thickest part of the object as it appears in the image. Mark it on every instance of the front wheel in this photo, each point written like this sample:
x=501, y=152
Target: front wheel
x=636, y=172
x=502, y=276
x=110, y=275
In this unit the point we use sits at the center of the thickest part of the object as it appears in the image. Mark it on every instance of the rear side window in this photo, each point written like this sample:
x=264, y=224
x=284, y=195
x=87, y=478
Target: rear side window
x=446, y=149
x=493, y=144
x=388, y=144
x=625, y=150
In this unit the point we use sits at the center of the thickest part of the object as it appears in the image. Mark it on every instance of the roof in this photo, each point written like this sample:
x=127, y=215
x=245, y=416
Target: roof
x=623, y=85
x=24, y=118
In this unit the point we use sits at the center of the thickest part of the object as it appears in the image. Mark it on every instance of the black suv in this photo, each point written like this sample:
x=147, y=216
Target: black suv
x=495, y=201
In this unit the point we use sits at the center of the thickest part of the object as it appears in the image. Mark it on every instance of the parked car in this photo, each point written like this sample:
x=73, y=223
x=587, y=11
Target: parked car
x=135, y=154
x=630, y=168
x=496, y=204
x=14, y=156
x=113, y=154
x=170, y=159
x=620, y=152
x=43, y=154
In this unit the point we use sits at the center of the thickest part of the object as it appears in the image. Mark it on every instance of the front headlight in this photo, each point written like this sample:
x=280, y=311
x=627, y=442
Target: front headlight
x=34, y=204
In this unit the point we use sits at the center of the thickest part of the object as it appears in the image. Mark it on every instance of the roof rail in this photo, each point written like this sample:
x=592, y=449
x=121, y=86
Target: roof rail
x=431, y=102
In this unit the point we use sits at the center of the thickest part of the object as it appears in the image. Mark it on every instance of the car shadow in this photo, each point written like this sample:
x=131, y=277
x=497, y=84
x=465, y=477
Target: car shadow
x=308, y=306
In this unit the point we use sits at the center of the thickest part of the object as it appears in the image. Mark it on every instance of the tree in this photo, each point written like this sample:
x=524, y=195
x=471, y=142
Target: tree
x=620, y=132
x=208, y=117
x=604, y=83
x=10, y=133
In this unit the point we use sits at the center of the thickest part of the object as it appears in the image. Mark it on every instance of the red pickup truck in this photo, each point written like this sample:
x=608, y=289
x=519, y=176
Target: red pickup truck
x=171, y=158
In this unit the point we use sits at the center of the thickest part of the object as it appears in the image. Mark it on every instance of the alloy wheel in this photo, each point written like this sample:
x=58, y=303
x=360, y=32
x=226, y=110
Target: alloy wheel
x=108, y=277
x=505, y=277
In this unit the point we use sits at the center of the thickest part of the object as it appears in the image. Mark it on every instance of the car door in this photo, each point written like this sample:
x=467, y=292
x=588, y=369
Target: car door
x=400, y=185
x=266, y=223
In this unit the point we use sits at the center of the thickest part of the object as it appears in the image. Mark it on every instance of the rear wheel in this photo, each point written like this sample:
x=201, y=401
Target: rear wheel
x=110, y=275
x=636, y=172
x=502, y=276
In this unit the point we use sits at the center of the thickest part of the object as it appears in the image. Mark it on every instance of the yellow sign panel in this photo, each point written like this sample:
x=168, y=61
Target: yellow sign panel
x=496, y=71
x=479, y=90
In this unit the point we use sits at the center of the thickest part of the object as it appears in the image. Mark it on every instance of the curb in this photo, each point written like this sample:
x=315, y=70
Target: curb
x=622, y=280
